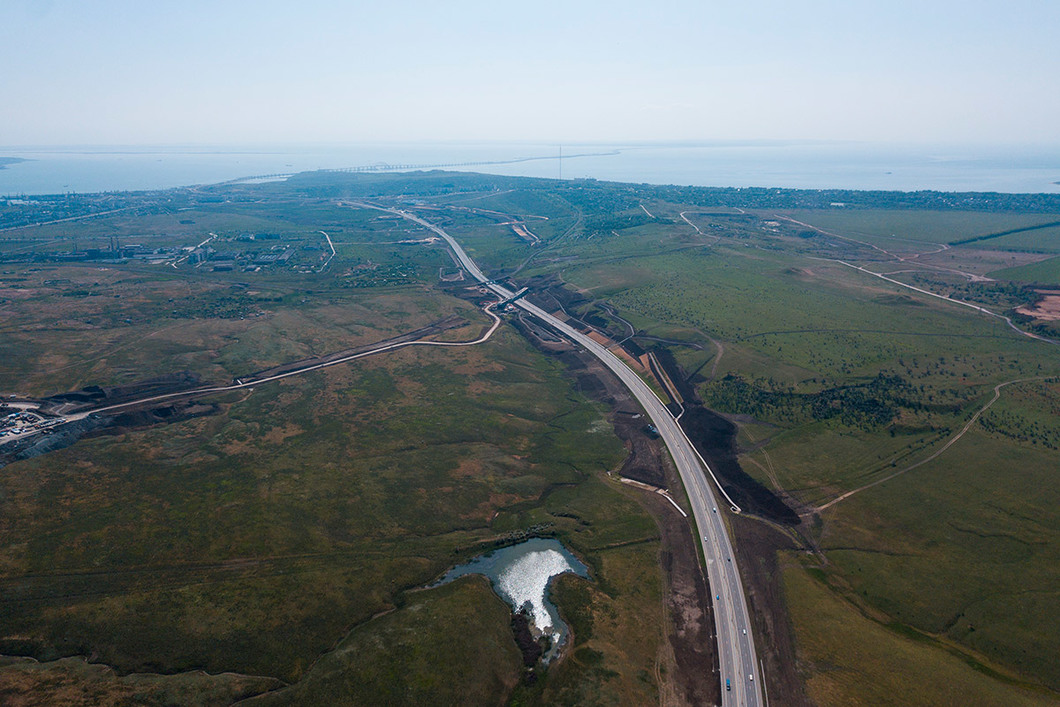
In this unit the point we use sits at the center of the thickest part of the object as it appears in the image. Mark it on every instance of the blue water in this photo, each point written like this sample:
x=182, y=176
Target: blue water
x=794, y=165
x=521, y=574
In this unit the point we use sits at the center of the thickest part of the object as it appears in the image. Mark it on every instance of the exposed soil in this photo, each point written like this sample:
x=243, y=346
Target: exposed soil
x=1046, y=309
x=148, y=417
x=756, y=542
x=713, y=435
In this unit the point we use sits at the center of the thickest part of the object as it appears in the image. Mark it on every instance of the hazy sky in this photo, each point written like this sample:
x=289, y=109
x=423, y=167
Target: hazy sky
x=241, y=71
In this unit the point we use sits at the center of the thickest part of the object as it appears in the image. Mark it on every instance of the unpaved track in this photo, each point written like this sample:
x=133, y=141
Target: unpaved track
x=241, y=385
x=937, y=453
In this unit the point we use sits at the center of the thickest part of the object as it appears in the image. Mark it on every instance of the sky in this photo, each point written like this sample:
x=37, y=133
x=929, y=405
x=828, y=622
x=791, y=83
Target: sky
x=118, y=72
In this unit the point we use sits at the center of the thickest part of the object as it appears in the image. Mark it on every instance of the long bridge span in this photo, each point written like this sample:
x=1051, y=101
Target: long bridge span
x=408, y=167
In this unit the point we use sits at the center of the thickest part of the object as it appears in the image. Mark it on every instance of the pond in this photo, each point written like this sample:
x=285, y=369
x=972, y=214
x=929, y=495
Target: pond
x=520, y=574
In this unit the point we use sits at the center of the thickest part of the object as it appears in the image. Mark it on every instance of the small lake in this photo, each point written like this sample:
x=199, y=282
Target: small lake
x=520, y=574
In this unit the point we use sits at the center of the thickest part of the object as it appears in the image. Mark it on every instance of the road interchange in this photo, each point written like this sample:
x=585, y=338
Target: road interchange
x=736, y=651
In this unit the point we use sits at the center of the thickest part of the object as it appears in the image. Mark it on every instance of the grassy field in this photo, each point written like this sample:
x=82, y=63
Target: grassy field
x=910, y=230
x=605, y=666
x=341, y=488
x=254, y=539
x=849, y=658
x=798, y=331
x=76, y=682
x=129, y=327
x=112, y=324
x=287, y=536
x=960, y=548
x=396, y=658
x=1045, y=272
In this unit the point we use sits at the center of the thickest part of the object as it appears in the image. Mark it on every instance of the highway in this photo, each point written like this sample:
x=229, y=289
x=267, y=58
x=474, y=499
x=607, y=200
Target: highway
x=736, y=651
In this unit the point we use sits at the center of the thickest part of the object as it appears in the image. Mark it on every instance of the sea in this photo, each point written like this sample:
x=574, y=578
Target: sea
x=803, y=165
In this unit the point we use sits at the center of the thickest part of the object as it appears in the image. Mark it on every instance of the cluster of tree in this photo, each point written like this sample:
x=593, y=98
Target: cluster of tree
x=605, y=223
x=531, y=648
x=225, y=306
x=383, y=276
x=999, y=234
x=602, y=197
x=998, y=293
x=867, y=406
x=763, y=198
x=1019, y=428
x=424, y=183
x=595, y=198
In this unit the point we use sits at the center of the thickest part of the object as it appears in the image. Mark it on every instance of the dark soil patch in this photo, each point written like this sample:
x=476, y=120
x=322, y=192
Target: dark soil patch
x=692, y=636
x=95, y=396
x=530, y=647
x=148, y=417
x=715, y=438
x=756, y=545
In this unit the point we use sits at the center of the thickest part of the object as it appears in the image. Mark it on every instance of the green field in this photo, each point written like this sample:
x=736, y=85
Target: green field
x=852, y=658
x=910, y=230
x=1046, y=272
x=798, y=330
x=254, y=539
x=288, y=536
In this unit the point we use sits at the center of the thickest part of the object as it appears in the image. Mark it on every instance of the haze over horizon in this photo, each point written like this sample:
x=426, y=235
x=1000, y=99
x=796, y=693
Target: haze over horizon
x=123, y=73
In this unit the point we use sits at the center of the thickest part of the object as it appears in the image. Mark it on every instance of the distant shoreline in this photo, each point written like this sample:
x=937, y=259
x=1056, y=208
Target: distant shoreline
x=791, y=166
x=5, y=161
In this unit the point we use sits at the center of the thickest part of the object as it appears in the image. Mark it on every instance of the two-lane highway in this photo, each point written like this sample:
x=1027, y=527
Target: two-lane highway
x=736, y=653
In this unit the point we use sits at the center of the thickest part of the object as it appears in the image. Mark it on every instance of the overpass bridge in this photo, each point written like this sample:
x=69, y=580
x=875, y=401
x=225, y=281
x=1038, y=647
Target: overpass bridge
x=512, y=298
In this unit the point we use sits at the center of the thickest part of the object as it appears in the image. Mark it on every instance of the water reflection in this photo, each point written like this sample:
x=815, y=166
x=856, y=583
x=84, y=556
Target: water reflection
x=520, y=574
